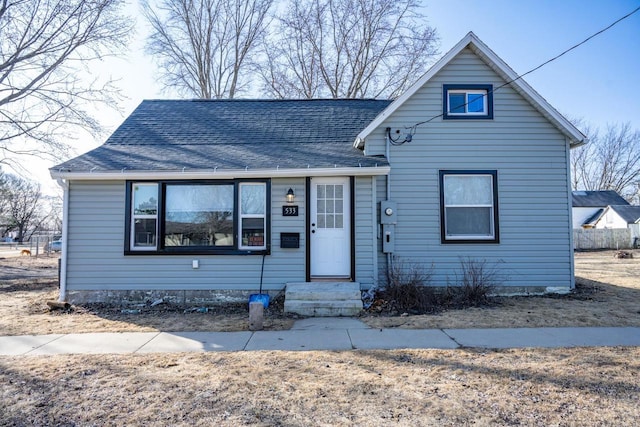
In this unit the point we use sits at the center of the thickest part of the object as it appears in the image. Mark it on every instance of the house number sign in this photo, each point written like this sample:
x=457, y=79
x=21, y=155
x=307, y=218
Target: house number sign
x=290, y=210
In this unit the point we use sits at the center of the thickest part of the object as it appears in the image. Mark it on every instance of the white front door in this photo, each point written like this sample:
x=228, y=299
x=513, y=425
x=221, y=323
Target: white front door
x=330, y=227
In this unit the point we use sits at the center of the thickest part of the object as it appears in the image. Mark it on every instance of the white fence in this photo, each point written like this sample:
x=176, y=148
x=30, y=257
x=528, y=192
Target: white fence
x=614, y=238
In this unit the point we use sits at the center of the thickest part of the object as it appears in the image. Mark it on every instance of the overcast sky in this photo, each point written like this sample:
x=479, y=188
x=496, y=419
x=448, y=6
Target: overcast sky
x=598, y=82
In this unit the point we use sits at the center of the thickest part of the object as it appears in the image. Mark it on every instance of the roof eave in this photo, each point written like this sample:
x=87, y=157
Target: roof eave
x=217, y=174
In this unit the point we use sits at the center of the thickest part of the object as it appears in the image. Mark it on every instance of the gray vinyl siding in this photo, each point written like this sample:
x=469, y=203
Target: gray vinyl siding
x=96, y=242
x=365, y=248
x=530, y=157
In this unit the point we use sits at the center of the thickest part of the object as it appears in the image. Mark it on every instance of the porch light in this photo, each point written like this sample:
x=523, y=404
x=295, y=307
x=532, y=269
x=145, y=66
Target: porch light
x=290, y=195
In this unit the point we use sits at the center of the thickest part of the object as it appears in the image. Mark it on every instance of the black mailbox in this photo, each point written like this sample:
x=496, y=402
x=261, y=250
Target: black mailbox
x=290, y=240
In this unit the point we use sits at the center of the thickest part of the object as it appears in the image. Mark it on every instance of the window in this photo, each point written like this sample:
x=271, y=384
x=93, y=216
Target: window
x=252, y=215
x=197, y=217
x=330, y=202
x=469, y=206
x=144, y=216
x=467, y=102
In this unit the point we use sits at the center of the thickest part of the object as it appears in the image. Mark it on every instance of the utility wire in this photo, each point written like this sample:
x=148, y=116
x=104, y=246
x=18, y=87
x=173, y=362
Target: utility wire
x=413, y=128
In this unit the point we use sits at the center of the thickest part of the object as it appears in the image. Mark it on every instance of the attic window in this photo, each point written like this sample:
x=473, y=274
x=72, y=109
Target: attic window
x=467, y=102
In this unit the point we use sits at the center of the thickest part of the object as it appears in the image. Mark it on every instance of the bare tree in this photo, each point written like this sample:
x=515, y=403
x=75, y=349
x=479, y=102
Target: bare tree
x=205, y=48
x=610, y=161
x=348, y=49
x=22, y=204
x=45, y=49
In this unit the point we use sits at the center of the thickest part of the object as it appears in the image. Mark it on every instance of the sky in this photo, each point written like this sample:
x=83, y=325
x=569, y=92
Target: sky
x=598, y=82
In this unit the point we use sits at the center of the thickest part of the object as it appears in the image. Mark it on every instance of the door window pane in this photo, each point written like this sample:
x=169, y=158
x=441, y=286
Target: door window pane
x=330, y=205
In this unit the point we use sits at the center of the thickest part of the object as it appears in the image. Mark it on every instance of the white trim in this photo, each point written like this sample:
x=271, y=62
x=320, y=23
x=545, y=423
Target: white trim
x=466, y=92
x=219, y=174
x=132, y=224
x=472, y=41
x=262, y=216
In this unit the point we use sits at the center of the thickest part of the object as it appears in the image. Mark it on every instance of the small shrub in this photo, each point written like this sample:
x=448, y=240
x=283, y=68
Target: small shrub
x=407, y=288
x=474, y=284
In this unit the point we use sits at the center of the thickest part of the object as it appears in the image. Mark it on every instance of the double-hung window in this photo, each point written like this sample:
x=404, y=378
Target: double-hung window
x=207, y=217
x=144, y=216
x=469, y=206
x=467, y=102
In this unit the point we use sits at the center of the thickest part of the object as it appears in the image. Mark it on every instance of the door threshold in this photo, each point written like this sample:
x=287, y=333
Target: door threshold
x=332, y=279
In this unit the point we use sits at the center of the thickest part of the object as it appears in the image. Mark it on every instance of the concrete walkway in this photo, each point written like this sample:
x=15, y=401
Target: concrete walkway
x=316, y=334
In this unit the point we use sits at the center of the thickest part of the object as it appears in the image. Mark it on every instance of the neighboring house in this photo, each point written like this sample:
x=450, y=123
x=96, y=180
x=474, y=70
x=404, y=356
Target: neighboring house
x=588, y=206
x=618, y=216
x=189, y=198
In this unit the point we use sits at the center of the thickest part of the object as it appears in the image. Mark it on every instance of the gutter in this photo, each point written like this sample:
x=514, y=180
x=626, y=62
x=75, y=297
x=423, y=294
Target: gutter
x=65, y=232
x=222, y=174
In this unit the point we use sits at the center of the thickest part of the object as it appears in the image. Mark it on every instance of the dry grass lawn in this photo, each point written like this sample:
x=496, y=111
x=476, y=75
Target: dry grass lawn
x=531, y=387
x=562, y=387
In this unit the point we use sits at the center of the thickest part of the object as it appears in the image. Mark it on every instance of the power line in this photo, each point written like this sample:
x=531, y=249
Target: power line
x=413, y=128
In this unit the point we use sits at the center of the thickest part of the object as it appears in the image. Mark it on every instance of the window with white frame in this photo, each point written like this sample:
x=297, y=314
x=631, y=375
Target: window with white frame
x=144, y=216
x=252, y=215
x=467, y=102
x=214, y=217
x=469, y=206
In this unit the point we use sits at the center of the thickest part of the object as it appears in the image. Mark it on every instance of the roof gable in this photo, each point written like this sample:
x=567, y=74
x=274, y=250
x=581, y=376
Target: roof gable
x=502, y=69
x=596, y=199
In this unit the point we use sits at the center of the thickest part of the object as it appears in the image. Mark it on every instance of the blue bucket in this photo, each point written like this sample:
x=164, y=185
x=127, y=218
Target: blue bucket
x=263, y=298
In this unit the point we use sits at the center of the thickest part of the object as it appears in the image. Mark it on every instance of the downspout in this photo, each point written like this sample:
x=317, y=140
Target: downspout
x=65, y=231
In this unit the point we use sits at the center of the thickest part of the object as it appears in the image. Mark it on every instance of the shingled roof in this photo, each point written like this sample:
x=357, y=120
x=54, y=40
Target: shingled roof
x=630, y=214
x=596, y=199
x=170, y=135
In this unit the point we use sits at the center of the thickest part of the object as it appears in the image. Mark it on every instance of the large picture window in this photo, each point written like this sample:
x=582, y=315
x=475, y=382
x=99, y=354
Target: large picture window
x=469, y=206
x=197, y=217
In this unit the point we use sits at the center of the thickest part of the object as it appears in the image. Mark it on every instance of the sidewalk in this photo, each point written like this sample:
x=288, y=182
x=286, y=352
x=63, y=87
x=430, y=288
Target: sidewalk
x=317, y=334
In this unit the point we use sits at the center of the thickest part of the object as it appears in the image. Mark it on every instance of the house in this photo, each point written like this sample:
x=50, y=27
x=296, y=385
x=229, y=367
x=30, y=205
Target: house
x=201, y=200
x=618, y=216
x=588, y=206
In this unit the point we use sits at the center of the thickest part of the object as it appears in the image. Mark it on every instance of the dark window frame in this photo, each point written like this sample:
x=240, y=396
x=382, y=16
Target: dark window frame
x=446, y=115
x=161, y=249
x=496, y=222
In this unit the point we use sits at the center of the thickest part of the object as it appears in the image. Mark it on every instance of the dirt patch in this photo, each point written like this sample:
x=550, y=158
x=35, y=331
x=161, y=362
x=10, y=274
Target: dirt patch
x=562, y=387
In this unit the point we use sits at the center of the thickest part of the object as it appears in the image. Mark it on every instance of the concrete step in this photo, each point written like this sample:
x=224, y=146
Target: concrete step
x=323, y=308
x=323, y=291
x=323, y=298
